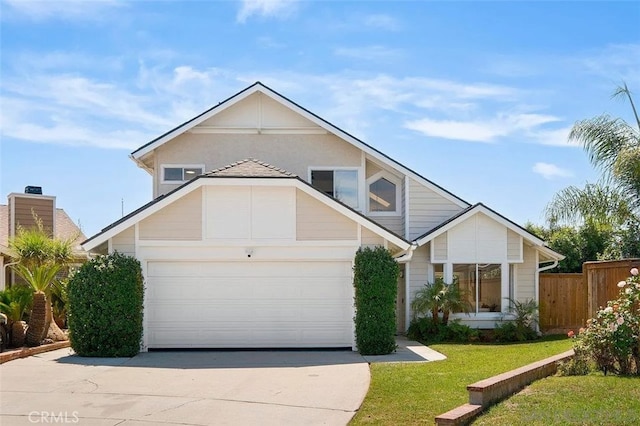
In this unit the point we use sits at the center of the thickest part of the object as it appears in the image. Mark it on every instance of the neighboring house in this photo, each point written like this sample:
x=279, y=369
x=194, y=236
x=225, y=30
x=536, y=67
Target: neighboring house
x=19, y=212
x=259, y=207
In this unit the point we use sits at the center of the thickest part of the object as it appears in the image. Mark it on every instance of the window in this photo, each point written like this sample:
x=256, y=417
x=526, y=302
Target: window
x=383, y=190
x=339, y=184
x=382, y=196
x=178, y=174
x=482, y=285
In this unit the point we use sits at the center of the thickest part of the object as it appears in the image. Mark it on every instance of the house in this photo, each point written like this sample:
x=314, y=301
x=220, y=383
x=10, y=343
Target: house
x=19, y=212
x=258, y=208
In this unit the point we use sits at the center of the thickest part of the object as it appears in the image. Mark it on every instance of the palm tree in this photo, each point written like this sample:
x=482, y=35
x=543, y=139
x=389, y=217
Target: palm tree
x=440, y=297
x=39, y=277
x=35, y=251
x=613, y=146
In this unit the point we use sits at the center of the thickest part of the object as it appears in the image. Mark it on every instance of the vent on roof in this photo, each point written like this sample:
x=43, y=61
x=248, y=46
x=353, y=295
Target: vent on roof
x=33, y=190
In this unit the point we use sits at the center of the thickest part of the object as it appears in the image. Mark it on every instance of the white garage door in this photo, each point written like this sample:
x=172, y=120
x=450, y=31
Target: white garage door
x=249, y=304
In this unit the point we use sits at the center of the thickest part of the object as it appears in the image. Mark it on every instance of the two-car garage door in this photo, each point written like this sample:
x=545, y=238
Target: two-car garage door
x=245, y=304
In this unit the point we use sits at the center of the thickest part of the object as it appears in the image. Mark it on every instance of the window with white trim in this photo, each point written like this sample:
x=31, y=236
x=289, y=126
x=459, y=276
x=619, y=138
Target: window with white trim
x=341, y=184
x=180, y=174
x=383, y=191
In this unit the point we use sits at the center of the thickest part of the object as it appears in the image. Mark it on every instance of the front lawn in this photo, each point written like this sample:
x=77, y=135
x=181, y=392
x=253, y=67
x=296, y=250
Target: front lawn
x=414, y=393
x=583, y=400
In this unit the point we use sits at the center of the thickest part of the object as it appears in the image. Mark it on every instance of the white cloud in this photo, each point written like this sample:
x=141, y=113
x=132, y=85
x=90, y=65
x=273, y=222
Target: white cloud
x=62, y=9
x=369, y=53
x=555, y=137
x=383, y=22
x=488, y=130
x=266, y=8
x=550, y=171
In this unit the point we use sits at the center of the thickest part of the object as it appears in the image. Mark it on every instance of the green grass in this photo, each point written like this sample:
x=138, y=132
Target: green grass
x=583, y=400
x=417, y=393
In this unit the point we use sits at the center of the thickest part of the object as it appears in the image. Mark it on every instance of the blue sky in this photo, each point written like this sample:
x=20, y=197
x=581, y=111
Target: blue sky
x=476, y=96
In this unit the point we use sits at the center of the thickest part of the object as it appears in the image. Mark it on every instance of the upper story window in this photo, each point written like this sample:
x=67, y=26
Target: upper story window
x=180, y=173
x=339, y=184
x=384, y=194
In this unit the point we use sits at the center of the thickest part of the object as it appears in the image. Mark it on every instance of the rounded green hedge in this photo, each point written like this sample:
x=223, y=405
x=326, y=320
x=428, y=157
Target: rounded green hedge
x=375, y=281
x=105, y=307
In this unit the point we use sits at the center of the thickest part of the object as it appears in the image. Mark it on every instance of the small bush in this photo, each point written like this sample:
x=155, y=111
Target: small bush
x=375, y=280
x=426, y=331
x=522, y=327
x=579, y=365
x=105, y=307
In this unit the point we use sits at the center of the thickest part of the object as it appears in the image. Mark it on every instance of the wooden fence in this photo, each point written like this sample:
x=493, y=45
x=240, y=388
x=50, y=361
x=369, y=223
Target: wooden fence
x=567, y=301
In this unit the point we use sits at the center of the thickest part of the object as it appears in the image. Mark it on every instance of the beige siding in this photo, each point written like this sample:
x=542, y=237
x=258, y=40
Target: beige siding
x=440, y=247
x=316, y=221
x=124, y=242
x=258, y=111
x=294, y=153
x=418, y=272
x=392, y=223
x=525, y=275
x=372, y=169
x=427, y=209
x=514, y=246
x=370, y=239
x=180, y=220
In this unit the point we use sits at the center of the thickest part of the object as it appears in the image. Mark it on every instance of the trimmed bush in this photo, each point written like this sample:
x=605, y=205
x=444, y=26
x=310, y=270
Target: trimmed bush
x=425, y=330
x=375, y=280
x=105, y=307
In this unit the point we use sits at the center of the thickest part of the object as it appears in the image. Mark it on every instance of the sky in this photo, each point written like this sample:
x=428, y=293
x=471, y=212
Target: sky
x=478, y=97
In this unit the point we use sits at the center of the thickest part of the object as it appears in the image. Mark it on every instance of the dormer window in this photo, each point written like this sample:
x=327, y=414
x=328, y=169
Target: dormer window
x=172, y=173
x=383, y=190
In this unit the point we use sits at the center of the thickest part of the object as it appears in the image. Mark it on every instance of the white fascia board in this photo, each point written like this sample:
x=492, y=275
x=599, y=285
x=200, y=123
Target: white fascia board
x=231, y=181
x=309, y=116
x=191, y=124
x=550, y=253
x=105, y=236
x=482, y=209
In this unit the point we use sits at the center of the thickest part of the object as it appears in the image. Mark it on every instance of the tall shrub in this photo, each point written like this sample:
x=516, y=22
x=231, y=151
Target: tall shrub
x=105, y=307
x=375, y=281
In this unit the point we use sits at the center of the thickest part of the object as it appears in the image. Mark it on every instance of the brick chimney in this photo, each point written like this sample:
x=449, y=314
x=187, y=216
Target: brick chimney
x=23, y=206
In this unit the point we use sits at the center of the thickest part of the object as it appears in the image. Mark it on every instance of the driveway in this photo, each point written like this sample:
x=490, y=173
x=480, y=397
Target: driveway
x=185, y=388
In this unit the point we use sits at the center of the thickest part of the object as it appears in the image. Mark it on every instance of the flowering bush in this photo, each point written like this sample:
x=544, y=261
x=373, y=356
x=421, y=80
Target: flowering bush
x=612, y=338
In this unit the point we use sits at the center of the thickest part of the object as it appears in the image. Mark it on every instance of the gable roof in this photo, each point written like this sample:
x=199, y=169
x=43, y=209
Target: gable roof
x=249, y=169
x=259, y=87
x=481, y=208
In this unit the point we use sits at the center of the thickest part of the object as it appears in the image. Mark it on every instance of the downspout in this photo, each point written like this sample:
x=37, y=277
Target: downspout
x=4, y=273
x=546, y=268
x=406, y=255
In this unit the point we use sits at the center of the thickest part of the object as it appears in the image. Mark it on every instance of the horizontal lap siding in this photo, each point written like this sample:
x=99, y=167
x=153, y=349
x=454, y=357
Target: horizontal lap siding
x=525, y=277
x=418, y=270
x=370, y=238
x=427, y=209
x=25, y=207
x=514, y=246
x=124, y=242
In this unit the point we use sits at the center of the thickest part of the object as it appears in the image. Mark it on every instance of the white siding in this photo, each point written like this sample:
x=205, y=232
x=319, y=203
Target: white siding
x=525, y=275
x=514, y=246
x=316, y=221
x=478, y=239
x=125, y=242
x=180, y=220
x=419, y=272
x=440, y=247
x=427, y=209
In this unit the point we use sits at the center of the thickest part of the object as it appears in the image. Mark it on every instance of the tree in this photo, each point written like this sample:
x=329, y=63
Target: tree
x=39, y=258
x=613, y=147
x=610, y=208
x=439, y=296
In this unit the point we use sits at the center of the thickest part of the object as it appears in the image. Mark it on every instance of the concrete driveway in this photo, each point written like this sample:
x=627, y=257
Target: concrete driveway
x=185, y=388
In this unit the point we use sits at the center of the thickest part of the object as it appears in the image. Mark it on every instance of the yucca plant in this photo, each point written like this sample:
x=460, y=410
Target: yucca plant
x=39, y=277
x=14, y=303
